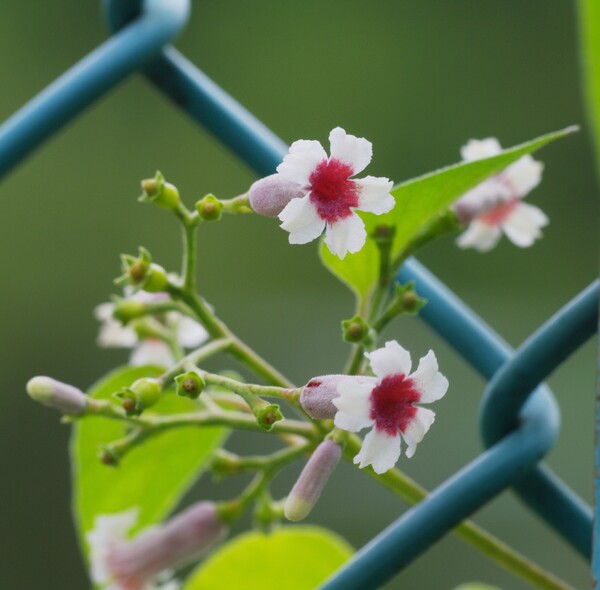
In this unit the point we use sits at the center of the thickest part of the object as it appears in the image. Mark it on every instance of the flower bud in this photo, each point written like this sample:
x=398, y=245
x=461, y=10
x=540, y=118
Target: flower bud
x=269, y=195
x=139, y=396
x=312, y=480
x=142, y=273
x=189, y=384
x=137, y=564
x=317, y=395
x=55, y=394
x=268, y=415
x=159, y=192
x=209, y=208
x=355, y=329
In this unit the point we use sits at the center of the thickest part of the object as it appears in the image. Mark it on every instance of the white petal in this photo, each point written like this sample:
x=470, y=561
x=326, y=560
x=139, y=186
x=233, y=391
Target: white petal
x=428, y=380
x=301, y=219
x=524, y=175
x=152, y=352
x=190, y=333
x=477, y=149
x=480, y=199
x=392, y=359
x=353, y=404
x=374, y=195
x=108, y=530
x=113, y=334
x=481, y=236
x=417, y=429
x=302, y=158
x=380, y=450
x=356, y=152
x=523, y=225
x=346, y=235
x=104, y=311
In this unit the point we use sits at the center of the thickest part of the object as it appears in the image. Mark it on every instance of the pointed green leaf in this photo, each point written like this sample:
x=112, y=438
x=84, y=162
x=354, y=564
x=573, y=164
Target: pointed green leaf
x=292, y=557
x=418, y=201
x=152, y=477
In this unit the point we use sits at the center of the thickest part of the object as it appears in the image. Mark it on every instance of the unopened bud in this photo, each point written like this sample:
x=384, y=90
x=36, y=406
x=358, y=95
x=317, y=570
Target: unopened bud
x=312, y=480
x=209, y=208
x=159, y=192
x=268, y=415
x=317, y=395
x=139, y=396
x=355, y=329
x=142, y=273
x=55, y=394
x=189, y=384
x=269, y=195
x=137, y=564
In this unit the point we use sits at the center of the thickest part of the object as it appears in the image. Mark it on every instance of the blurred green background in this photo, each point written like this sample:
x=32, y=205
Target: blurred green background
x=418, y=79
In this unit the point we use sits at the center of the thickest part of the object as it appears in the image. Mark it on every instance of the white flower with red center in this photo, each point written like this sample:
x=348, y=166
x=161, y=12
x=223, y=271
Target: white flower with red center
x=330, y=196
x=148, y=351
x=389, y=405
x=496, y=206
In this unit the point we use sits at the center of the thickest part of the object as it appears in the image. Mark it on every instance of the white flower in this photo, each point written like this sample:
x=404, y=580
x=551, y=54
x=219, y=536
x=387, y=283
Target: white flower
x=147, y=351
x=330, y=197
x=495, y=206
x=389, y=405
x=145, y=562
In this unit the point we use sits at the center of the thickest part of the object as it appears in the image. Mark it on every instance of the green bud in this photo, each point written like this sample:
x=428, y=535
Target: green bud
x=156, y=279
x=209, y=208
x=268, y=415
x=128, y=309
x=355, y=329
x=108, y=456
x=189, y=384
x=406, y=299
x=139, y=396
x=159, y=192
x=225, y=463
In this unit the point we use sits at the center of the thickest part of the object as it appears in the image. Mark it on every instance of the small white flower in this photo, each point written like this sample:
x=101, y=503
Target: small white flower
x=495, y=206
x=109, y=538
x=389, y=405
x=147, y=351
x=330, y=196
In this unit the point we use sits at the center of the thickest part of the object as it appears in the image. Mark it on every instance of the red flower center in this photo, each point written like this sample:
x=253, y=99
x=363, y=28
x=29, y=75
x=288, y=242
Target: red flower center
x=392, y=402
x=332, y=193
x=497, y=215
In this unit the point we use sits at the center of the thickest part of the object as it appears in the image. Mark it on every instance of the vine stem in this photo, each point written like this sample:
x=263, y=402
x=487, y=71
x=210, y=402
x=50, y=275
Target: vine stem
x=488, y=544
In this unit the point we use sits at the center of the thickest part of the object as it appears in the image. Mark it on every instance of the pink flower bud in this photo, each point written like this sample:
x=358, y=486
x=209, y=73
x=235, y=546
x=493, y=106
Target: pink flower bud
x=317, y=395
x=312, y=480
x=135, y=564
x=269, y=195
x=55, y=394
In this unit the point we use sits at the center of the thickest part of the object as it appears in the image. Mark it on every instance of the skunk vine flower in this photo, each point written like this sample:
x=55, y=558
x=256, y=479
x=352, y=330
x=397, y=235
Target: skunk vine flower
x=147, y=350
x=145, y=562
x=327, y=196
x=388, y=405
x=496, y=206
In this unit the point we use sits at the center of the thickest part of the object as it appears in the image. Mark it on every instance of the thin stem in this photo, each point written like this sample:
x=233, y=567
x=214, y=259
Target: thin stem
x=194, y=358
x=354, y=365
x=287, y=394
x=189, y=256
x=411, y=492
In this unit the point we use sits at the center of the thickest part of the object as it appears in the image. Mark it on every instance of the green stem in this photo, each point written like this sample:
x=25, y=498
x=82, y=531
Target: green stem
x=189, y=257
x=411, y=492
x=287, y=394
x=354, y=365
x=194, y=358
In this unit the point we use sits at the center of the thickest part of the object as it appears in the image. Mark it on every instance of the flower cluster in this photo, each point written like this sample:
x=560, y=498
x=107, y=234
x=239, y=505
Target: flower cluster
x=496, y=206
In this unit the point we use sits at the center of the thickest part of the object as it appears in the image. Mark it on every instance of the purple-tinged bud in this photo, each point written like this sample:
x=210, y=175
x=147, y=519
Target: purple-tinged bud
x=55, y=394
x=269, y=195
x=317, y=395
x=135, y=564
x=312, y=480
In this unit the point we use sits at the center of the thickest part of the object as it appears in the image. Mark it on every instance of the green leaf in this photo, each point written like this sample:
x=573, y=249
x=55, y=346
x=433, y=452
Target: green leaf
x=418, y=202
x=589, y=24
x=151, y=477
x=293, y=557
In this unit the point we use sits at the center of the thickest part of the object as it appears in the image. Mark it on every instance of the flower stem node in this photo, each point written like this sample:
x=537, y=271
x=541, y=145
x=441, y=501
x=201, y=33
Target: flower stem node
x=189, y=385
x=142, y=273
x=268, y=415
x=209, y=208
x=159, y=192
x=225, y=463
x=355, y=330
x=139, y=396
x=312, y=480
x=52, y=393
